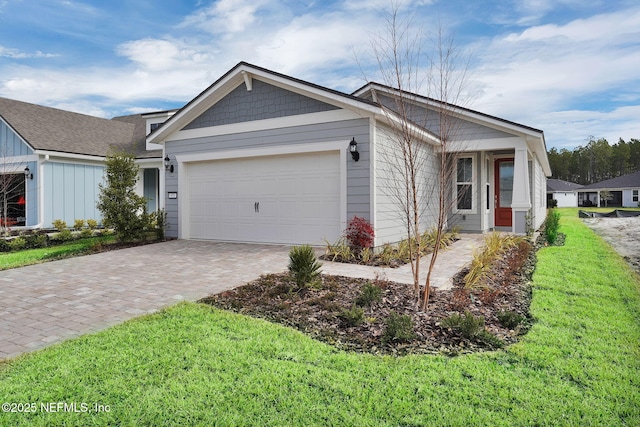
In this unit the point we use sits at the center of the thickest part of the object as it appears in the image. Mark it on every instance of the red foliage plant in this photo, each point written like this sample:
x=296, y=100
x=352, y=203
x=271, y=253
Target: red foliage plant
x=359, y=233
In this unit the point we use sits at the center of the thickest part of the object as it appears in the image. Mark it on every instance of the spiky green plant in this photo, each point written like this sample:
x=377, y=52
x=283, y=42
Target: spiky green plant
x=303, y=266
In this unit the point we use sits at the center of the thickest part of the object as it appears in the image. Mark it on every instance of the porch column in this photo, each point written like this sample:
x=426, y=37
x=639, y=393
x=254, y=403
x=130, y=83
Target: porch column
x=521, y=201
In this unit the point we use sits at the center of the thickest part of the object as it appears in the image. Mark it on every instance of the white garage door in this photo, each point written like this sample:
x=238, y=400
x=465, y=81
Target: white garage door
x=292, y=199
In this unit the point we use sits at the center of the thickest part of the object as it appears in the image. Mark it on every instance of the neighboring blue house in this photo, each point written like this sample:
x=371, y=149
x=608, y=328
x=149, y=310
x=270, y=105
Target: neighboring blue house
x=52, y=161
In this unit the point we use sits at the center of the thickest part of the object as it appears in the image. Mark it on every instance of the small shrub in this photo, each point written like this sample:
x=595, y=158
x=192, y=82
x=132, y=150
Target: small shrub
x=17, y=244
x=59, y=224
x=509, y=319
x=551, y=225
x=92, y=224
x=353, y=316
x=488, y=339
x=398, y=328
x=4, y=245
x=303, y=266
x=86, y=232
x=359, y=233
x=34, y=241
x=369, y=293
x=64, y=235
x=468, y=324
x=78, y=224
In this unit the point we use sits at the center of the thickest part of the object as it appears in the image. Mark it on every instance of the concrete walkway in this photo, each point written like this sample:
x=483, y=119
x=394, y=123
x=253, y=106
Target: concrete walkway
x=52, y=302
x=449, y=262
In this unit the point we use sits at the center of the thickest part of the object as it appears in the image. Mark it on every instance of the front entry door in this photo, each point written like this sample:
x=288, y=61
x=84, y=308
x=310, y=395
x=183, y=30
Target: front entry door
x=503, y=192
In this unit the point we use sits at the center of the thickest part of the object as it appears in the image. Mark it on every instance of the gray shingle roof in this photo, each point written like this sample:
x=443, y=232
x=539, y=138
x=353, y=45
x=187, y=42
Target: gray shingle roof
x=631, y=180
x=561, y=185
x=52, y=129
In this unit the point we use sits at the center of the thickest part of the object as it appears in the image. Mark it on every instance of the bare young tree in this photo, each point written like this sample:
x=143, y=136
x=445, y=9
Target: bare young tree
x=420, y=146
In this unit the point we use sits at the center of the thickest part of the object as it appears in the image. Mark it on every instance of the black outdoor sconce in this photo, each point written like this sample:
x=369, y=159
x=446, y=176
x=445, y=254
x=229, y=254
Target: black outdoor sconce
x=27, y=173
x=167, y=164
x=353, y=149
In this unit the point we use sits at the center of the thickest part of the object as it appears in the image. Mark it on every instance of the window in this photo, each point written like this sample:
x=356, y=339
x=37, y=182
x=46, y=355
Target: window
x=635, y=195
x=154, y=126
x=12, y=195
x=464, y=184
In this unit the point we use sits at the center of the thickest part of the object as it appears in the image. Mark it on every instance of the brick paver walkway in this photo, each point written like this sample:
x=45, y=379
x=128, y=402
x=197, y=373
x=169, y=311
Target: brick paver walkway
x=51, y=302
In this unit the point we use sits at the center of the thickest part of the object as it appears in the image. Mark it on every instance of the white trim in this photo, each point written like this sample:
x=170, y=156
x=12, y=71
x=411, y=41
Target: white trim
x=62, y=155
x=183, y=160
x=373, y=159
x=19, y=159
x=474, y=196
x=265, y=124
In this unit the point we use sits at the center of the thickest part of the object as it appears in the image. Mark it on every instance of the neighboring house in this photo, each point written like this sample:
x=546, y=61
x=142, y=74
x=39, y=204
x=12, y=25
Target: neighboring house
x=263, y=157
x=623, y=192
x=564, y=192
x=64, y=153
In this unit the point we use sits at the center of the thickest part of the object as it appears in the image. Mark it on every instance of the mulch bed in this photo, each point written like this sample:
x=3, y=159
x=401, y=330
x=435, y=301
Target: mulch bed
x=319, y=311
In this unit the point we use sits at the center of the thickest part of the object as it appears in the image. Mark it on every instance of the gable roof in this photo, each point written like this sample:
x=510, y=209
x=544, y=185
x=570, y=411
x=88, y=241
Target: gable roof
x=562, y=185
x=631, y=180
x=52, y=129
x=244, y=72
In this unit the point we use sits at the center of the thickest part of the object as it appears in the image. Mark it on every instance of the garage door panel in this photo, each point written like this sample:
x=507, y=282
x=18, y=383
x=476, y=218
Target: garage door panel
x=298, y=196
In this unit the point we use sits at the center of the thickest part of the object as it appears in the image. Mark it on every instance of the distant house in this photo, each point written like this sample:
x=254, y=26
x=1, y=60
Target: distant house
x=54, y=160
x=623, y=190
x=564, y=192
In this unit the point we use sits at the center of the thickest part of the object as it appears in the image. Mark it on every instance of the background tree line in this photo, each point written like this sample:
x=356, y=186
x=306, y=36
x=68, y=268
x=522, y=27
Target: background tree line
x=596, y=161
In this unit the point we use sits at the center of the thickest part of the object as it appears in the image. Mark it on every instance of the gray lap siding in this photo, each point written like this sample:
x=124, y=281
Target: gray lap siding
x=358, y=200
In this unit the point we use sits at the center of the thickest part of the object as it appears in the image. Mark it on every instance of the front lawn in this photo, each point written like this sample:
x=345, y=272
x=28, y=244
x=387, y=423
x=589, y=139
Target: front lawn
x=68, y=249
x=195, y=365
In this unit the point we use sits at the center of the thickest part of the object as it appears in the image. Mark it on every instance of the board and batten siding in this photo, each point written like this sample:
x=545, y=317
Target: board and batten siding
x=11, y=144
x=71, y=192
x=390, y=220
x=358, y=200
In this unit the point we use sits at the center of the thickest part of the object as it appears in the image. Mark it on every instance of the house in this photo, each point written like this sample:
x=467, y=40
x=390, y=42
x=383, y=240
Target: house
x=623, y=192
x=564, y=192
x=51, y=162
x=259, y=156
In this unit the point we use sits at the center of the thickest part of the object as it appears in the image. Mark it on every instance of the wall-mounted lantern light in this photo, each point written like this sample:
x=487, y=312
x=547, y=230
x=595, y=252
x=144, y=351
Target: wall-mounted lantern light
x=353, y=149
x=27, y=173
x=167, y=164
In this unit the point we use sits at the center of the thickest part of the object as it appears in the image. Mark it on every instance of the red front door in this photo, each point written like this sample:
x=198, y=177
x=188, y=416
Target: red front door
x=503, y=192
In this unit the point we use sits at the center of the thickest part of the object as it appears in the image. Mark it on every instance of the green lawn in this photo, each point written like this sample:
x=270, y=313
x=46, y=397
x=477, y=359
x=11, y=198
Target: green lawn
x=34, y=256
x=195, y=365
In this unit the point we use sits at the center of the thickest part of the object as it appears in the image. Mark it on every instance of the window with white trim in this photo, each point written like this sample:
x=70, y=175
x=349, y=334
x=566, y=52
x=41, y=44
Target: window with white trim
x=635, y=195
x=464, y=184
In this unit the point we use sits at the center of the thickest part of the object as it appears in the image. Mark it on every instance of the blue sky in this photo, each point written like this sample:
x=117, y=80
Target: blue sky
x=568, y=67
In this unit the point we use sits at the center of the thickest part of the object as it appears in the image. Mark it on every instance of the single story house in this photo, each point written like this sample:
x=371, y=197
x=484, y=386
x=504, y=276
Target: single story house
x=259, y=156
x=564, y=192
x=623, y=192
x=51, y=162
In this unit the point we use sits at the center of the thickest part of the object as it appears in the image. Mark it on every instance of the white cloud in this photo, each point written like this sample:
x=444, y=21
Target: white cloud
x=16, y=54
x=552, y=68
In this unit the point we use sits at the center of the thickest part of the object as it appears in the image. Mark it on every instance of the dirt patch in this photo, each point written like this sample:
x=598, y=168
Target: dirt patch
x=623, y=234
x=331, y=312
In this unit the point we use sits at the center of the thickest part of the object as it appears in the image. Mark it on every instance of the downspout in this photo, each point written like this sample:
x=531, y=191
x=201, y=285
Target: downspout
x=39, y=190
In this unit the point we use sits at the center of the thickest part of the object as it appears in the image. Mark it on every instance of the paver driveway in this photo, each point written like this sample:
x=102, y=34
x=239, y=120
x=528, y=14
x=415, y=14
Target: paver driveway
x=46, y=303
